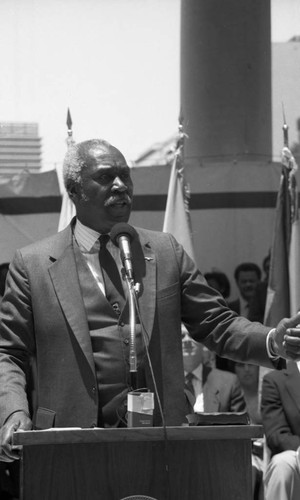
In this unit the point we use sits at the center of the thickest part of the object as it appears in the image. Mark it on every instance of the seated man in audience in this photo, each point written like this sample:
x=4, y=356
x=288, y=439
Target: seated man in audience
x=280, y=408
x=219, y=281
x=247, y=276
x=208, y=388
x=258, y=302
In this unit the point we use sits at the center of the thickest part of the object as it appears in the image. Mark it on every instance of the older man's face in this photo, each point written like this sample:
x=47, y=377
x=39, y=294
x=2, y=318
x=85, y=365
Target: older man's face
x=192, y=351
x=105, y=196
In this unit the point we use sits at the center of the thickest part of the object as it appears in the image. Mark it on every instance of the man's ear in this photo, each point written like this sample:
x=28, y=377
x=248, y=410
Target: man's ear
x=74, y=193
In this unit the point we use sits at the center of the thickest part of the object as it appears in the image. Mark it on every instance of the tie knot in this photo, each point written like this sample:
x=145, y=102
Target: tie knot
x=104, y=239
x=189, y=377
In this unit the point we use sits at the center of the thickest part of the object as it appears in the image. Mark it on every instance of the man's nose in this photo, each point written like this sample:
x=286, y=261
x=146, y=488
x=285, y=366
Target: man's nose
x=119, y=185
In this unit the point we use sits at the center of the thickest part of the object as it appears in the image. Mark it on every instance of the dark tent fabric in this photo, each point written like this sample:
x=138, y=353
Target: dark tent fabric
x=30, y=207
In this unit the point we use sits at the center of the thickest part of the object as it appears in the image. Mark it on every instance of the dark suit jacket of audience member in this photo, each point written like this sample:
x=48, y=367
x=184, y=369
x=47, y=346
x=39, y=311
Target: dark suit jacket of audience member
x=258, y=303
x=280, y=408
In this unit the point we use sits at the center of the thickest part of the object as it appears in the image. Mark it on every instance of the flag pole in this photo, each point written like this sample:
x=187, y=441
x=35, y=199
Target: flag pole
x=177, y=216
x=67, y=208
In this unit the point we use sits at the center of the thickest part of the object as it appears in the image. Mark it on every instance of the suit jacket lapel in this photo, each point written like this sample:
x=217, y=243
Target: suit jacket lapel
x=144, y=265
x=210, y=396
x=63, y=273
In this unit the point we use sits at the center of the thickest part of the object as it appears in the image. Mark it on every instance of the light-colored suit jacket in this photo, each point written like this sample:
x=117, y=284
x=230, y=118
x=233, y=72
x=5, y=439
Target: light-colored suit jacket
x=43, y=316
x=222, y=393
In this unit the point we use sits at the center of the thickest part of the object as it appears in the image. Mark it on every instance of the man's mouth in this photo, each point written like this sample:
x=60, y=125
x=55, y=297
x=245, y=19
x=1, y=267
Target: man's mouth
x=118, y=202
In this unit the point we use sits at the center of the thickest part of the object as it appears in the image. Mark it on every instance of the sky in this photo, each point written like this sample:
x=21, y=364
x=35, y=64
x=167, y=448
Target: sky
x=114, y=63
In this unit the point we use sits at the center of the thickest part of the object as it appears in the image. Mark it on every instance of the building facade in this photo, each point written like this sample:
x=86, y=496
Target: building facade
x=20, y=148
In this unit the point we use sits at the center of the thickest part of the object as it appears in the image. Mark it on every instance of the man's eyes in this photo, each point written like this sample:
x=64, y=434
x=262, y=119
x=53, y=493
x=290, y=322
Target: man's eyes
x=106, y=178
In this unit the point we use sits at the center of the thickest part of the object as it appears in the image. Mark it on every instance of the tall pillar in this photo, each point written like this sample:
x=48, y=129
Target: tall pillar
x=226, y=79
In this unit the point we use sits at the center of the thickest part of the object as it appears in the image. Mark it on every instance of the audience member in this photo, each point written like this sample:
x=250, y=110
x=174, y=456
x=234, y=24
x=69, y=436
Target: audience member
x=280, y=407
x=258, y=302
x=213, y=390
x=247, y=275
x=219, y=281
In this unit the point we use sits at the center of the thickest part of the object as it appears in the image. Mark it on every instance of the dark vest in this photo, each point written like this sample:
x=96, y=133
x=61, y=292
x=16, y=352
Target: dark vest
x=110, y=335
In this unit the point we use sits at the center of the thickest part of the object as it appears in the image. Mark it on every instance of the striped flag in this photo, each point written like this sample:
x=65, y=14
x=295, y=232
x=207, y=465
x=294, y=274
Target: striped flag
x=177, y=216
x=283, y=297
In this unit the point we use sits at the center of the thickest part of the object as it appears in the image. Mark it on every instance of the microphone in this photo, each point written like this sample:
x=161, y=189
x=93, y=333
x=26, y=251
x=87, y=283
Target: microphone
x=122, y=235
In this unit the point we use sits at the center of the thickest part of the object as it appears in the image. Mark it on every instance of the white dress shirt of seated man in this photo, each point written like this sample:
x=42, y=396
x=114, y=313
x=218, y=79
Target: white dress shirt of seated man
x=196, y=360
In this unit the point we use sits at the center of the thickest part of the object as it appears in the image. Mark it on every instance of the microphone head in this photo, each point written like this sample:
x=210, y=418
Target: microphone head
x=122, y=229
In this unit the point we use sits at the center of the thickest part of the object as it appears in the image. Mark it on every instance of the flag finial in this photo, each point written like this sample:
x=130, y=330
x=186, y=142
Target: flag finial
x=70, y=139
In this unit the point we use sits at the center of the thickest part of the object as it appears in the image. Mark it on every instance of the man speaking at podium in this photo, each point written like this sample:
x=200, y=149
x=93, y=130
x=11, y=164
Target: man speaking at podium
x=64, y=311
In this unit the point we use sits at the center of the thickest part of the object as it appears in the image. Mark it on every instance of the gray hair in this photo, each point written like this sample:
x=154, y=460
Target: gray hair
x=76, y=159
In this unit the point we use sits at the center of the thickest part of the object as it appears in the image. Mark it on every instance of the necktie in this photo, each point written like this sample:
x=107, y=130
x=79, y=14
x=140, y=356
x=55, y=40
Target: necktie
x=112, y=281
x=189, y=383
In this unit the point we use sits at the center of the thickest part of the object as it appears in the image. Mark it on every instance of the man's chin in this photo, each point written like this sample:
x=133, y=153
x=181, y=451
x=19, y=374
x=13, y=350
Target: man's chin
x=119, y=213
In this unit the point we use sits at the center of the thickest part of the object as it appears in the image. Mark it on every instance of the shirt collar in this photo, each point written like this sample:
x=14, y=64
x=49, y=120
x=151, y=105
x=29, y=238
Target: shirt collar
x=197, y=372
x=85, y=236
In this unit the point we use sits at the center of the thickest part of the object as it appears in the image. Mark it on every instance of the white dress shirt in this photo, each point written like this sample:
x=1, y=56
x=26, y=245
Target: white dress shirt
x=89, y=245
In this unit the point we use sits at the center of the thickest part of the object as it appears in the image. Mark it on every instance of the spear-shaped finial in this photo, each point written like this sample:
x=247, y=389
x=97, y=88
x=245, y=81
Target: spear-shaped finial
x=285, y=129
x=69, y=123
x=70, y=139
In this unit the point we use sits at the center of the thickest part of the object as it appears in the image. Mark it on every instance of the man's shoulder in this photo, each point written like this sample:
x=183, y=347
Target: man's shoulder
x=227, y=378
x=154, y=237
x=46, y=244
x=275, y=376
x=150, y=233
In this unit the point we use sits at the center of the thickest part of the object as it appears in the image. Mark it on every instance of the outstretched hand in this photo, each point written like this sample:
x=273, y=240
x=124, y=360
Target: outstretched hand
x=17, y=421
x=286, y=338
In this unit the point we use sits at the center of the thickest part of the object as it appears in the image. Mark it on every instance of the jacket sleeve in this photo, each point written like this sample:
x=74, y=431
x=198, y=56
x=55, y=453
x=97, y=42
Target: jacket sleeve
x=16, y=340
x=209, y=320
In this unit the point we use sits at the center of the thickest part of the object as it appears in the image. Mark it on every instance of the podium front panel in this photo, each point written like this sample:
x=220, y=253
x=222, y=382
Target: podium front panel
x=191, y=464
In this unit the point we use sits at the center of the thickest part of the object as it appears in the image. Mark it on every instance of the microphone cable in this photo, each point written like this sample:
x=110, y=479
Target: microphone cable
x=146, y=340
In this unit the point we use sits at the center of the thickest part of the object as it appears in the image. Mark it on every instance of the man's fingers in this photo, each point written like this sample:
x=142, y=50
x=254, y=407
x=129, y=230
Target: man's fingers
x=295, y=320
x=292, y=339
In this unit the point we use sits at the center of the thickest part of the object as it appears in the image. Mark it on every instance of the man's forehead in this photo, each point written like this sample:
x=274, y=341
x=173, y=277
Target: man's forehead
x=106, y=156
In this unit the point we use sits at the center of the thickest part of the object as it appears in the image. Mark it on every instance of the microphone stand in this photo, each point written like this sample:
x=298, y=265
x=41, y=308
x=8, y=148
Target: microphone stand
x=132, y=338
x=140, y=405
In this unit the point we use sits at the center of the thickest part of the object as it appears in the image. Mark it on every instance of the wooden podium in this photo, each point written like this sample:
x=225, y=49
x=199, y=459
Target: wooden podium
x=178, y=463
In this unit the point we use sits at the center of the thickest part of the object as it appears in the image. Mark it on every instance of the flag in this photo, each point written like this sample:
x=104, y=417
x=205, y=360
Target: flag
x=294, y=257
x=177, y=217
x=67, y=212
x=283, y=297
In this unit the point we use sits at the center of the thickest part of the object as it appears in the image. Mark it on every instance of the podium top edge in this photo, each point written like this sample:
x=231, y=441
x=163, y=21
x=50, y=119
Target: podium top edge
x=78, y=435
